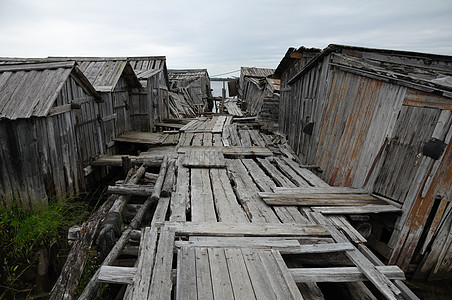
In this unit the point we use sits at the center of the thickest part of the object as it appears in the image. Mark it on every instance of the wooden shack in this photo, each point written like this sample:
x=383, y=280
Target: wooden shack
x=49, y=128
x=253, y=87
x=150, y=105
x=381, y=120
x=194, y=86
x=115, y=80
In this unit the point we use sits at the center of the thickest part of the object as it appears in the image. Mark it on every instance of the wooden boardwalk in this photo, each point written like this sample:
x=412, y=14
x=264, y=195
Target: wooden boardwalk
x=236, y=217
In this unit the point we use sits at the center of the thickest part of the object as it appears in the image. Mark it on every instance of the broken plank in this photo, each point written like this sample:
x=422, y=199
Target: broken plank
x=226, y=205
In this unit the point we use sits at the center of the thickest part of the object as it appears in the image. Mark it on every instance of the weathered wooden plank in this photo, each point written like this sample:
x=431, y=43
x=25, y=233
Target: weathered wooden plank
x=265, y=183
x=128, y=189
x=350, y=231
x=408, y=294
x=277, y=281
x=381, y=282
x=187, y=126
x=310, y=177
x=186, y=274
x=343, y=274
x=258, y=276
x=218, y=127
x=121, y=275
x=240, y=280
x=202, y=205
x=246, y=192
x=142, y=278
x=275, y=173
x=290, y=173
x=295, y=292
x=161, y=283
x=197, y=139
x=283, y=245
x=139, y=137
x=365, y=209
x=203, y=274
x=221, y=284
x=249, y=229
x=256, y=138
x=226, y=205
x=245, y=138
x=168, y=184
x=319, y=190
x=204, y=159
x=207, y=139
x=180, y=198
x=231, y=150
x=320, y=199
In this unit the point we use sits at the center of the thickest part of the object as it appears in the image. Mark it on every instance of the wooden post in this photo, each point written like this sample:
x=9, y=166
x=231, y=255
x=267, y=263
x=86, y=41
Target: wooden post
x=223, y=98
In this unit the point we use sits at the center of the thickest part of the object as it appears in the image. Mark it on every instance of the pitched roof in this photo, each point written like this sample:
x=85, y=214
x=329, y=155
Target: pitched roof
x=187, y=74
x=429, y=72
x=28, y=90
x=256, y=72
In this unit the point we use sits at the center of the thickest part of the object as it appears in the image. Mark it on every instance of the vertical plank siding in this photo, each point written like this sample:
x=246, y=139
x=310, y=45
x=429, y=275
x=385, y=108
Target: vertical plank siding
x=369, y=132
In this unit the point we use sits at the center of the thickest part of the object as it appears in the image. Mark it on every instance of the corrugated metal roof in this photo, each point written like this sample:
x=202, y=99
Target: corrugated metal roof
x=28, y=90
x=256, y=72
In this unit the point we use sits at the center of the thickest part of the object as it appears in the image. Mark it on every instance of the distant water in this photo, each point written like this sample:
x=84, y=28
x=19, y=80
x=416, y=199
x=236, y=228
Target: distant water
x=216, y=87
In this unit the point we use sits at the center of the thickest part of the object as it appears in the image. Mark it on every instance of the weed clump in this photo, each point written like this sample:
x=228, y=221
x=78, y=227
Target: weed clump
x=25, y=233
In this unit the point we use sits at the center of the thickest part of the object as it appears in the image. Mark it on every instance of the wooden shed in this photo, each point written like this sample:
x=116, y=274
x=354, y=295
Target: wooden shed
x=150, y=105
x=381, y=120
x=194, y=85
x=253, y=87
x=49, y=128
x=115, y=80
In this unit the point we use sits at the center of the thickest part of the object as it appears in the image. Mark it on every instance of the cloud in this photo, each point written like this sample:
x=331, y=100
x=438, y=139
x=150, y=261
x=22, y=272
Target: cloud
x=220, y=36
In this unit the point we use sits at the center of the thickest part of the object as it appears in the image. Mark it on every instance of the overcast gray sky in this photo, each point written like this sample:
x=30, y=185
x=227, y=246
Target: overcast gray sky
x=219, y=35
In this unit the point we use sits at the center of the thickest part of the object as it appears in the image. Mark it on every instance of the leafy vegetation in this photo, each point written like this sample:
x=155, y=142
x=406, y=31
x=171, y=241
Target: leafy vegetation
x=23, y=233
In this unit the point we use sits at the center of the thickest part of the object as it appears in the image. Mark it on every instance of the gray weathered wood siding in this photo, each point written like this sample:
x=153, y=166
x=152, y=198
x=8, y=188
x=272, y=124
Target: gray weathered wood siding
x=197, y=84
x=44, y=155
x=371, y=121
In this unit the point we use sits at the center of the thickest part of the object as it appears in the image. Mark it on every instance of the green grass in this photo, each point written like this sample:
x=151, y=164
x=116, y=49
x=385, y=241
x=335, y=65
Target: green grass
x=24, y=232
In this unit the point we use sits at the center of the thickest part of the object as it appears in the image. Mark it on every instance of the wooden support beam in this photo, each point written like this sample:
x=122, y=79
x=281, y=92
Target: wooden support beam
x=132, y=190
